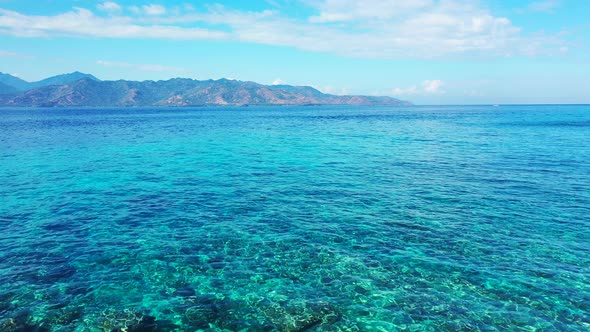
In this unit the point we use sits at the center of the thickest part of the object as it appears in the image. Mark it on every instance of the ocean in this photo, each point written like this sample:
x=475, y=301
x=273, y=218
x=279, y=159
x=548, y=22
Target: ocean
x=426, y=218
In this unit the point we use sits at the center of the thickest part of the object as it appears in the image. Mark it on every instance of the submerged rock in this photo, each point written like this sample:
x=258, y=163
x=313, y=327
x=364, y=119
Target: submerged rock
x=67, y=315
x=58, y=273
x=11, y=325
x=7, y=325
x=131, y=321
x=200, y=316
x=5, y=301
x=185, y=291
x=302, y=316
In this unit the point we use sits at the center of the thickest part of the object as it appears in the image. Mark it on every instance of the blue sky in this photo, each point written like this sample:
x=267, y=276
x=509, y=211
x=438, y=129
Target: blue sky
x=426, y=51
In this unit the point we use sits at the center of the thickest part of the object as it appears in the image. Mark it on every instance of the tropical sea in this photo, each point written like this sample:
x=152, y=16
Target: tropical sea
x=431, y=218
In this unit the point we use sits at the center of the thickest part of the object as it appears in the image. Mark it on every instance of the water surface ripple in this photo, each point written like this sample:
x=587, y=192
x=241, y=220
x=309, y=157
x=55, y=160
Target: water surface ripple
x=458, y=218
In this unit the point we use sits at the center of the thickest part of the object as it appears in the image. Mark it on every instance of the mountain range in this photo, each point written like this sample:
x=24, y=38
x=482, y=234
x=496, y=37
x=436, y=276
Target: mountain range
x=79, y=89
x=22, y=85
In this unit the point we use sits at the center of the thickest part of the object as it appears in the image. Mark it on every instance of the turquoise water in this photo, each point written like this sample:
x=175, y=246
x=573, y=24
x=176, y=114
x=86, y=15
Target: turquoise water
x=458, y=218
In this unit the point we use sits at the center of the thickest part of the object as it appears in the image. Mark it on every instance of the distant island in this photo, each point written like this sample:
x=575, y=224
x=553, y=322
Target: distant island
x=79, y=89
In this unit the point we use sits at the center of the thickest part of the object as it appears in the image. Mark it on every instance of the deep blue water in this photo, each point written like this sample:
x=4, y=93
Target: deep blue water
x=455, y=218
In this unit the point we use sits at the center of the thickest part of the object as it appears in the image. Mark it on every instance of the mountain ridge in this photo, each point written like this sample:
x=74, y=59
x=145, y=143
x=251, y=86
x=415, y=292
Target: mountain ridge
x=89, y=91
x=13, y=81
x=6, y=89
x=22, y=85
x=62, y=79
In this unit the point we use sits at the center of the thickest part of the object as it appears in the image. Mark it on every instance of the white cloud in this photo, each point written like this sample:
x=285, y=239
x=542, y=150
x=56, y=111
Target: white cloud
x=83, y=23
x=134, y=9
x=278, y=81
x=158, y=10
x=424, y=29
x=354, y=10
x=547, y=6
x=109, y=6
x=433, y=86
x=427, y=87
x=141, y=67
x=405, y=91
x=9, y=54
x=385, y=29
x=155, y=10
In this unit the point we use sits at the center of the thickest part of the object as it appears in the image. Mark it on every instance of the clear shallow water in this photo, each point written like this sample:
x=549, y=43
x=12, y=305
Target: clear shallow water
x=295, y=219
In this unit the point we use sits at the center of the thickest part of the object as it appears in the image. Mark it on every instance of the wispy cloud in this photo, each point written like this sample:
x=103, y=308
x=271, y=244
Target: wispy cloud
x=155, y=10
x=9, y=54
x=278, y=81
x=367, y=29
x=82, y=22
x=413, y=90
x=351, y=10
x=428, y=87
x=546, y=6
x=141, y=67
x=109, y=6
x=433, y=86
